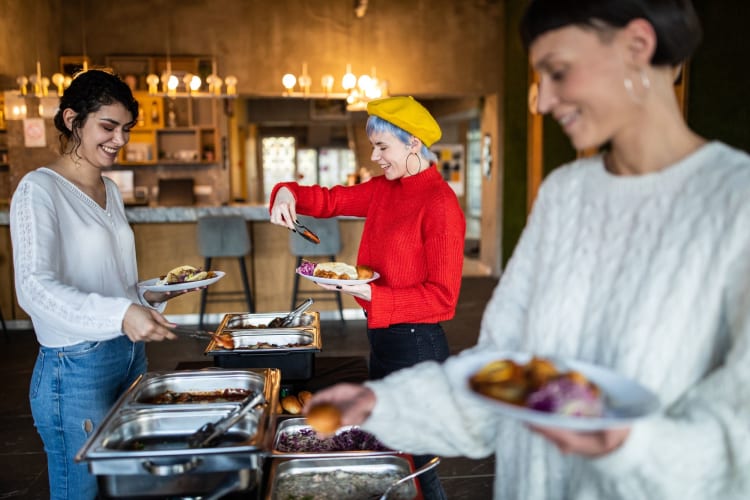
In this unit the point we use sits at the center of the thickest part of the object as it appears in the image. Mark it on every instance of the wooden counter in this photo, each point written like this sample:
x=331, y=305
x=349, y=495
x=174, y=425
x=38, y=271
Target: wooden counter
x=166, y=237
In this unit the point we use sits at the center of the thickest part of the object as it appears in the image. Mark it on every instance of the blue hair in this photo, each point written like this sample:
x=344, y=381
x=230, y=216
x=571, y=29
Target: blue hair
x=377, y=125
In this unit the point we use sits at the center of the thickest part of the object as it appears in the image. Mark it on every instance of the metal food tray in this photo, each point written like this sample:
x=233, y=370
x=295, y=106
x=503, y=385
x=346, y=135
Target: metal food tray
x=140, y=448
x=297, y=424
x=198, y=381
x=306, y=331
x=128, y=413
x=362, y=464
x=259, y=321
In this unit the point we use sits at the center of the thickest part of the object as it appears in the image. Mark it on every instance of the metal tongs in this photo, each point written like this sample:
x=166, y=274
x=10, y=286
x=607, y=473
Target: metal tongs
x=306, y=233
x=289, y=319
x=208, y=435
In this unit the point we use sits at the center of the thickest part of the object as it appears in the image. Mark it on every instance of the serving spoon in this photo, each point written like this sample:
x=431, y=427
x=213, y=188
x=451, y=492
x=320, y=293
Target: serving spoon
x=429, y=465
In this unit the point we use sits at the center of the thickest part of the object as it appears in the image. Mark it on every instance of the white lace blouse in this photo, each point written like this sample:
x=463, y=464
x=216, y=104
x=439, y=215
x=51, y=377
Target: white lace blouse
x=75, y=264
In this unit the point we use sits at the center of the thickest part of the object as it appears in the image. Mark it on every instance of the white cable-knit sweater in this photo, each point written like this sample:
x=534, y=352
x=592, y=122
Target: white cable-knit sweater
x=648, y=275
x=74, y=261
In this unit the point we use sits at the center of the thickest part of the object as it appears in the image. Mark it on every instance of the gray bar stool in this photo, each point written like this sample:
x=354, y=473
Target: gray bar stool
x=330, y=245
x=223, y=237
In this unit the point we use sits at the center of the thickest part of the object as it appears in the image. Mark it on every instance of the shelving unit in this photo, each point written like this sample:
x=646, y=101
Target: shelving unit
x=180, y=130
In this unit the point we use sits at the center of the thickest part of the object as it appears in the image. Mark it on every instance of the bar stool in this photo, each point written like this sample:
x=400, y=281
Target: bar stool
x=224, y=236
x=330, y=245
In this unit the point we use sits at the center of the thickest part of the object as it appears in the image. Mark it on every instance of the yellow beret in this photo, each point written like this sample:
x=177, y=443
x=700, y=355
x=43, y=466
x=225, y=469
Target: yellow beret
x=405, y=112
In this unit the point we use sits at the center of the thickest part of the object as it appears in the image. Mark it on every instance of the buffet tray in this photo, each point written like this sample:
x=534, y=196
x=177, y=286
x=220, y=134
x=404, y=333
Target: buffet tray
x=329, y=470
x=297, y=425
x=296, y=362
x=248, y=330
x=140, y=448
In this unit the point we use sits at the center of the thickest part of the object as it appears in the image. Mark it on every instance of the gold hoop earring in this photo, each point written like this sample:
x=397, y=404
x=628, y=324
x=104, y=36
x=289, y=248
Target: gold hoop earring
x=407, y=163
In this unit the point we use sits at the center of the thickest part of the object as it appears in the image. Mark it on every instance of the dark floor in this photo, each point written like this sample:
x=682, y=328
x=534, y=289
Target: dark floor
x=22, y=460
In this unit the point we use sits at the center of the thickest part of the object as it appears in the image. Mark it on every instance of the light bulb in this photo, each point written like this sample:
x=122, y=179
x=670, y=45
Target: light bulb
x=172, y=83
x=231, y=82
x=327, y=83
x=289, y=81
x=195, y=83
x=58, y=79
x=349, y=81
x=153, y=82
x=22, y=81
x=364, y=83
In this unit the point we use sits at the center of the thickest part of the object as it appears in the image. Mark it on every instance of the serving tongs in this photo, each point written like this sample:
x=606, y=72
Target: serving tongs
x=289, y=319
x=303, y=231
x=208, y=435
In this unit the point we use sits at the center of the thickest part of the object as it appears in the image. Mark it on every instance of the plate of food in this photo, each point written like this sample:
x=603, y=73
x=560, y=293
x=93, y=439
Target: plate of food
x=183, y=277
x=336, y=273
x=551, y=392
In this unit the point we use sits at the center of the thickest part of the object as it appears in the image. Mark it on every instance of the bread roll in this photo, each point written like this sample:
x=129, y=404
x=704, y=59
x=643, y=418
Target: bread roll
x=364, y=272
x=291, y=404
x=304, y=397
x=324, y=418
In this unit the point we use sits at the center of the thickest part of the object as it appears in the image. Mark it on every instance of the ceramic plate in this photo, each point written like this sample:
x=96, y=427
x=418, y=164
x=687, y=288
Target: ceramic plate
x=329, y=281
x=625, y=400
x=153, y=287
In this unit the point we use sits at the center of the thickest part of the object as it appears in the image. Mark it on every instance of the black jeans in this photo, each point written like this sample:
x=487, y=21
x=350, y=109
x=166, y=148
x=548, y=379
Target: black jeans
x=400, y=346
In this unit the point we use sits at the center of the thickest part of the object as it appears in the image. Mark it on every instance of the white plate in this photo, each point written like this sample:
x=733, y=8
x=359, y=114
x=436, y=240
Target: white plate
x=625, y=400
x=153, y=287
x=329, y=281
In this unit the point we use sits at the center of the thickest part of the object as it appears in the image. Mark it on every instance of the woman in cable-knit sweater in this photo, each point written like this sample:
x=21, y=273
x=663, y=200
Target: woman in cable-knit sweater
x=637, y=259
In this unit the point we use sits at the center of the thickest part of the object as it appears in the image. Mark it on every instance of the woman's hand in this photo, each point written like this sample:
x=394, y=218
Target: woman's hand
x=142, y=324
x=362, y=291
x=283, y=211
x=588, y=444
x=159, y=297
x=355, y=402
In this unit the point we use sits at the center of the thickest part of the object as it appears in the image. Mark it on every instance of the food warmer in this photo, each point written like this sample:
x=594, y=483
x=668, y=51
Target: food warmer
x=140, y=449
x=256, y=345
x=361, y=477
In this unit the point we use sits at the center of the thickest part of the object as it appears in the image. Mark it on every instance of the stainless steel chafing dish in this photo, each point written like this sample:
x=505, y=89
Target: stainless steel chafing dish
x=357, y=478
x=140, y=448
x=291, y=349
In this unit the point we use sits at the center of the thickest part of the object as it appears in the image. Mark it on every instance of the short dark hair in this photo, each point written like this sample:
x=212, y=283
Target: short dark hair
x=88, y=92
x=677, y=27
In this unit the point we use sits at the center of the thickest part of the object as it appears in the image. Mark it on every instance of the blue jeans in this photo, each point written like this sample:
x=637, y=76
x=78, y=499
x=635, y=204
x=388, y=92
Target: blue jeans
x=72, y=389
x=400, y=346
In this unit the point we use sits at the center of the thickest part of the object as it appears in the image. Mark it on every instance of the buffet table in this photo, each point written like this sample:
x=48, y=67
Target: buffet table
x=279, y=462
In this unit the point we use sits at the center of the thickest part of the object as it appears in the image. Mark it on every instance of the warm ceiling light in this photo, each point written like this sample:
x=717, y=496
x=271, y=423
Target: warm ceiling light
x=349, y=81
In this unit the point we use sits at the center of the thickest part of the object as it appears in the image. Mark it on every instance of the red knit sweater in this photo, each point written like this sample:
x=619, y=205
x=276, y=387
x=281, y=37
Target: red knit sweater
x=413, y=237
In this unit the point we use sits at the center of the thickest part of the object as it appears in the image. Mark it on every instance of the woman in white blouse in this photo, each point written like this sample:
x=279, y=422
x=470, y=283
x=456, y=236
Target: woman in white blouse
x=76, y=277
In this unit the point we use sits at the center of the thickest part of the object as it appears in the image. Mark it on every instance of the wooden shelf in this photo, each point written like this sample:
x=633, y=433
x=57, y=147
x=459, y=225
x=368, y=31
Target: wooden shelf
x=192, y=139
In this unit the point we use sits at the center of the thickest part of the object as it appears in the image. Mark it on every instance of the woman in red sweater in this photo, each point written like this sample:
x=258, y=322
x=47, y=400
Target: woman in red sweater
x=413, y=236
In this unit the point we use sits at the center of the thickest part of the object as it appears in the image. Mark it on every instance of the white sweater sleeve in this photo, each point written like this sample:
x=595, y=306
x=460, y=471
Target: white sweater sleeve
x=41, y=293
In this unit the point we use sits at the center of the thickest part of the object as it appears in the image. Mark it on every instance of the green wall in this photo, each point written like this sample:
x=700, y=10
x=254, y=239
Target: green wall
x=719, y=75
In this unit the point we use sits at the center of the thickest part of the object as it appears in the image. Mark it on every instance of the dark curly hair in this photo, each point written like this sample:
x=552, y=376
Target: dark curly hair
x=678, y=30
x=88, y=92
